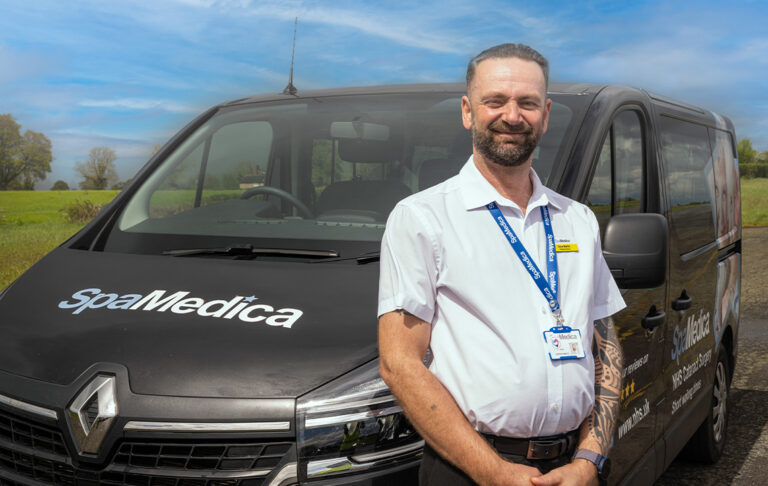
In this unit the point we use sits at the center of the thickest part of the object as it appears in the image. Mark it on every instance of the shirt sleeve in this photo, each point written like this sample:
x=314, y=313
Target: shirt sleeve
x=408, y=269
x=607, y=296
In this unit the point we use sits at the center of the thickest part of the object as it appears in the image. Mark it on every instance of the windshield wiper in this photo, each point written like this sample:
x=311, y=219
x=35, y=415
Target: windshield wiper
x=249, y=250
x=369, y=257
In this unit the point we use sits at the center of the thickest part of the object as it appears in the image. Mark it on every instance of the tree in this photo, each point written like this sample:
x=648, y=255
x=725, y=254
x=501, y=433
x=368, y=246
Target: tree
x=60, y=186
x=99, y=170
x=747, y=154
x=24, y=159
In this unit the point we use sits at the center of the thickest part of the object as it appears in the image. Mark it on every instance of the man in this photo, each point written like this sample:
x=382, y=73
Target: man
x=512, y=388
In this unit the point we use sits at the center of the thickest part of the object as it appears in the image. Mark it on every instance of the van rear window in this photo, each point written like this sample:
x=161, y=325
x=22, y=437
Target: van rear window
x=690, y=183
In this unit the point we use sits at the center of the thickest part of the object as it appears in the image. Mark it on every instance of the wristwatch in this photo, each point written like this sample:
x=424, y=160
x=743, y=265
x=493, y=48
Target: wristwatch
x=602, y=463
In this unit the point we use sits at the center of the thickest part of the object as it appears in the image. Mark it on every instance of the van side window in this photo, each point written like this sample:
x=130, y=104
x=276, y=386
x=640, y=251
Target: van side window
x=690, y=182
x=237, y=160
x=176, y=193
x=628, y=164
x=232, y=159
x=727, y=185
x=618, y=185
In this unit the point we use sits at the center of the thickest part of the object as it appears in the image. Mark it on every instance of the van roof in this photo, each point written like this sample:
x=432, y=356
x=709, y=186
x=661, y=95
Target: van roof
x=665, y=104
x=564, y=88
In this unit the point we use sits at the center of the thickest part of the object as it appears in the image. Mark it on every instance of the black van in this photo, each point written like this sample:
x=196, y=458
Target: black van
x=216, y=323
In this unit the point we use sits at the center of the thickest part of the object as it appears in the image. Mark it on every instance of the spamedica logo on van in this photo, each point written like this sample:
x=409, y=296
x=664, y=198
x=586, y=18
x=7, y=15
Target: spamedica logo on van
x=685, y=338
x=238, y=307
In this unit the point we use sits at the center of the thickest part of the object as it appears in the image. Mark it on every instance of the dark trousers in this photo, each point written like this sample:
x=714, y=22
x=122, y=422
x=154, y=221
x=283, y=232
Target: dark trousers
x=436, y=471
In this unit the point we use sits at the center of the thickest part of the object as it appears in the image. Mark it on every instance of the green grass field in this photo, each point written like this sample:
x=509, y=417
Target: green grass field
x=754, y=202
x=31, y=225
x=31, y=222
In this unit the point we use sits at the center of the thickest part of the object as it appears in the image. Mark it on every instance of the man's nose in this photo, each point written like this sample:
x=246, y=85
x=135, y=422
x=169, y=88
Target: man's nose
x=511, y=113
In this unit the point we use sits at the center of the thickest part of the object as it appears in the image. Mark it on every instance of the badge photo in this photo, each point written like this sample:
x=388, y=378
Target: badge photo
x=564, y=343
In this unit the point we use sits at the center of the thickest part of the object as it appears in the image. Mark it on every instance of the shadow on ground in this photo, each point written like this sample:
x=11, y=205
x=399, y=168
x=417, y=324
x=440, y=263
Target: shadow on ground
x=747, y=419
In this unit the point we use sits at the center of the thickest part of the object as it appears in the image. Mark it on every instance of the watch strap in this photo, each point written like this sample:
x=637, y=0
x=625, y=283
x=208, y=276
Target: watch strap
x=598, y=460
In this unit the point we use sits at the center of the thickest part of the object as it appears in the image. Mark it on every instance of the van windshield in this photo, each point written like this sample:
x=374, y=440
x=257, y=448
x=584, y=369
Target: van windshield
x=305, y=173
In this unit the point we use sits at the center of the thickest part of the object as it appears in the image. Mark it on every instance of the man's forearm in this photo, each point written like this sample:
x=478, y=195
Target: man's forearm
x=436, y=415
x=597, y=430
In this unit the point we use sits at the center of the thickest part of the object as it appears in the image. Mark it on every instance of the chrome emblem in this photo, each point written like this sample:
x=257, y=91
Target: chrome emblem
x=92, y=412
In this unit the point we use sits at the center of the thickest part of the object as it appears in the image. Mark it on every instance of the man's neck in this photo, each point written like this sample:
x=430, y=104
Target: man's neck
x=514, y=183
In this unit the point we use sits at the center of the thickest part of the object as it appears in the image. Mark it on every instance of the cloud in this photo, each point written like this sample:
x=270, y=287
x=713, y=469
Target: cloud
x=401, y=26
x=139, y=104
x=77, y=144
x=18, y=65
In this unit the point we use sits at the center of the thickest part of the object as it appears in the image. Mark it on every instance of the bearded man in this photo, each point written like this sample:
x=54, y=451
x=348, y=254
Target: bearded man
x=512, y=394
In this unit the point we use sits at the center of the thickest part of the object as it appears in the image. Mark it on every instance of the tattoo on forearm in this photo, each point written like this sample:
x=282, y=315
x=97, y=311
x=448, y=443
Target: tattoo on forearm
x=608, y=364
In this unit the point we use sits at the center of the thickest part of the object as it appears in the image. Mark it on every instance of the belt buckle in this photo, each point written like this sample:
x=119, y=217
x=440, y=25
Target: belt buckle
x=544, y=449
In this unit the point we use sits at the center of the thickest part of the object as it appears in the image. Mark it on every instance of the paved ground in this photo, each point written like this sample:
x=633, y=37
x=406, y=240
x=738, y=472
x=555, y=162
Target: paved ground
x=745, y=460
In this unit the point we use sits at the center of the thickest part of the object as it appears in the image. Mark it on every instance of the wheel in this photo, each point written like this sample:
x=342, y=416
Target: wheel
x=708, y=442
x=303, y=209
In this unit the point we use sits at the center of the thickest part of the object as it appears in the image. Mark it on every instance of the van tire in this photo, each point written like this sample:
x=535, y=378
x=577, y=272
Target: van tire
x=707, y=443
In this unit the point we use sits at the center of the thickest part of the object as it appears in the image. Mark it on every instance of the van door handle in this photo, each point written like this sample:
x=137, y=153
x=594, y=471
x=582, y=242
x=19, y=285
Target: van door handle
x=681, y=303
x=653, y=319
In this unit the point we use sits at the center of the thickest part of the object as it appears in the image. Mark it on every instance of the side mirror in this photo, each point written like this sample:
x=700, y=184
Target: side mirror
x=635, y=248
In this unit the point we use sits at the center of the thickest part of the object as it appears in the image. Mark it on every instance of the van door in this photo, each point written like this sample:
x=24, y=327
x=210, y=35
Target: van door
x=619, y=186
x=690, y=352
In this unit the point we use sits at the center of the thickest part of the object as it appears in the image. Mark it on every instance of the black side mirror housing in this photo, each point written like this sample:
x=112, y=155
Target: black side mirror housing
x=635, y=248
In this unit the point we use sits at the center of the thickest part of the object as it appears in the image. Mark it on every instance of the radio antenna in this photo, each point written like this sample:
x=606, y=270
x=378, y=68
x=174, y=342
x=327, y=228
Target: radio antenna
x=291, y=89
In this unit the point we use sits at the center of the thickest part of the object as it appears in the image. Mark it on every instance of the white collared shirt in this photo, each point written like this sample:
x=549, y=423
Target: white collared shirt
x=445, y=260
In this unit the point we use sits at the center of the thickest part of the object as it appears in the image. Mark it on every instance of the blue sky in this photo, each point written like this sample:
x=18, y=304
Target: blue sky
x=127, y=74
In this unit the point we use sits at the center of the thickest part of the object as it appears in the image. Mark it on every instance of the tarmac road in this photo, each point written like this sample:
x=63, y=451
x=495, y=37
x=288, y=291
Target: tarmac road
x=745, y=459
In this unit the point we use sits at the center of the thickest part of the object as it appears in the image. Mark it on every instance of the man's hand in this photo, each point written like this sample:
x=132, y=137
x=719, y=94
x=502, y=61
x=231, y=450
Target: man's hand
x=403, y=343
x=578, y=473
x=511, y=474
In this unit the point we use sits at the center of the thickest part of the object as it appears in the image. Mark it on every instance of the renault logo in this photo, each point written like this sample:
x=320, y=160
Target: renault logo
x=92, y=412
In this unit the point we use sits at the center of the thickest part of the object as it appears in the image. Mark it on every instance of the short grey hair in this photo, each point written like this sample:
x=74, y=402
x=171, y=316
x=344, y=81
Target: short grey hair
x=520, y=51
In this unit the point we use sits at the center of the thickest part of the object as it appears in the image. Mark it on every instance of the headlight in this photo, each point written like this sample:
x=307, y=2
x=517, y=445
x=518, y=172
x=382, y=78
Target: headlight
x=353, y=424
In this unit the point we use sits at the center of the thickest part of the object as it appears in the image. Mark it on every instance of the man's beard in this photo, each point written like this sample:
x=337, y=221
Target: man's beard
x=505, y=154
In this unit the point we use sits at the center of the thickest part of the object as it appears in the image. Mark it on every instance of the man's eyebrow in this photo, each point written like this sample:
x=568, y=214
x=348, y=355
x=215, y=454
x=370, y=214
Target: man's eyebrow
x=530, y=97
x=497, y=96
x=494, y=96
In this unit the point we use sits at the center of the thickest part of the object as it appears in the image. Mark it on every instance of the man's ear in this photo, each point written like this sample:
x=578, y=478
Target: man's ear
x=466, y=112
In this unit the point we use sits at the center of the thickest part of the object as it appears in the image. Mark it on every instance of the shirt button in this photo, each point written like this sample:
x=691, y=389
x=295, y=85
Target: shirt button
x=544, y=310
x=555, y=407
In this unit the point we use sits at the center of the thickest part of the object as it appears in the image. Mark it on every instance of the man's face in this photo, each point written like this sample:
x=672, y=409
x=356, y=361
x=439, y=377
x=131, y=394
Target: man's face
x=507, y=109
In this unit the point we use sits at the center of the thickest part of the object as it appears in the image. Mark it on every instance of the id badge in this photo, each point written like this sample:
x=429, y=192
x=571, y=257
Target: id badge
x=564, y=343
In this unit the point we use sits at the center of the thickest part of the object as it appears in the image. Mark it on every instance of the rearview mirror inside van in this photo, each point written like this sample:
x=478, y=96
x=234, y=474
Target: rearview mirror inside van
x=635, y=248
x=359, y=130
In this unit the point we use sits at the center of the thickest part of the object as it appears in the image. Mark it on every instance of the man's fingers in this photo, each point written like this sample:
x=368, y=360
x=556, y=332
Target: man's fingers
x=552, y=478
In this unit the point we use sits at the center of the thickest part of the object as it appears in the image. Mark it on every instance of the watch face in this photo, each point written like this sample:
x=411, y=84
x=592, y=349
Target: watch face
x=605, y=470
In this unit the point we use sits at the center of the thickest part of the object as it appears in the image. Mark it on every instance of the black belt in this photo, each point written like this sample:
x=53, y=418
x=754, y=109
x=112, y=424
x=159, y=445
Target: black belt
x=535, y=448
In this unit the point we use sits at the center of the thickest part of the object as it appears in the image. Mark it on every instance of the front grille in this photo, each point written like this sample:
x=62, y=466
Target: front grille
x=211, y=456
x=25, y=433
x=32, y=453
x=46, y=471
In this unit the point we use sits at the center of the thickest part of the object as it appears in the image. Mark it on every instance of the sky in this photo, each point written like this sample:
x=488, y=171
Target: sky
x=128, y=74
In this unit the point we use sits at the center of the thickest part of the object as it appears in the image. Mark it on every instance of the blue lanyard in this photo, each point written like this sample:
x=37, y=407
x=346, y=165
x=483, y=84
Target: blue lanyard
x=549, y=290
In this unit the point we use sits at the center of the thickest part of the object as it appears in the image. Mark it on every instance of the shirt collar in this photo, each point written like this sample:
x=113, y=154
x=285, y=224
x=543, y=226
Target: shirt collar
x=476, y=191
